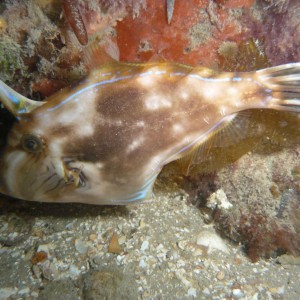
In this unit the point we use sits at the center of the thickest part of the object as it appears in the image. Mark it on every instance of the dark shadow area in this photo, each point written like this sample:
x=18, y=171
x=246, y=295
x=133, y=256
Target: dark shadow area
x=57, y=210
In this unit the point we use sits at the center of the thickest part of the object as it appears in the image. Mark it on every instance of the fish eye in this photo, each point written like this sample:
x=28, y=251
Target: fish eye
x=31, y=143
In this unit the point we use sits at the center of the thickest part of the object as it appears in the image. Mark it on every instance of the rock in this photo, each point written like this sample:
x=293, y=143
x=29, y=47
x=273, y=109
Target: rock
x=237, y=293
x=206, y=292
x=7, y=292
x=143, y=264
x=38, y=257
x=220, y=275
x=212, y=241
x=192, y=292
x=218, y=199
x=93, y=237
x=288, y=260
x=43, y=248
x=145, y=246
x=142, y=223
x=49, y=270
x=277, y=290
x=74, y=270
x=109, y=284
x=182, y=245
x=24, y=292
x=81, y=246
x=122, y=239
x=64, y=289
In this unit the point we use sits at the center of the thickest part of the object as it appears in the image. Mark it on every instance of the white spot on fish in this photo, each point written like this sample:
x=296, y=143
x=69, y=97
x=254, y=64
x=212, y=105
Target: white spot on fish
x=99, y=165
x=177, y=128
x=206, y=120
x=233, y=91
x=79, y=113
x=184, y=95
x=155, y=102
x=140, y=124
x=211, y=93
x=234, y=95
x=85, y=130
x=147, y=81
x=55, y=147
x=119, y=123
x=135, y=144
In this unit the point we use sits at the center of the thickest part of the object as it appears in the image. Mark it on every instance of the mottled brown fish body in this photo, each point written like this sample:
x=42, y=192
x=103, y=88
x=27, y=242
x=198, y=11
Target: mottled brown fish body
x=105, y=140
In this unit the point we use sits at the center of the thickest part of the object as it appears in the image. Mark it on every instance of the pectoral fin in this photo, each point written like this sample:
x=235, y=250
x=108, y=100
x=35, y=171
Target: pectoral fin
x=16, y=103
x=227, y=143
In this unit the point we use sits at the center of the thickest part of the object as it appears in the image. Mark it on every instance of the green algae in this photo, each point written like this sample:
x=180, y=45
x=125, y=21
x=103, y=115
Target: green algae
x=11, y=61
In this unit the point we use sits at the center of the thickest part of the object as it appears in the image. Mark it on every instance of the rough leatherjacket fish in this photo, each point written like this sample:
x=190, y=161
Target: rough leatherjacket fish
x=105, y=140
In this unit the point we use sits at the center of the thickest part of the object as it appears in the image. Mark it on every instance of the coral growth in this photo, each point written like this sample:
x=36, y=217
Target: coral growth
x=266, y=223
x=194, y=41
x=277, y=22
x=248, y=55
x=263, y=193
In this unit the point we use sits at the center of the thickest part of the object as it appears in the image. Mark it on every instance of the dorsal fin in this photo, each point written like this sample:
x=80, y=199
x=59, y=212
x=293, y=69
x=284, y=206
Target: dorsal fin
x=15, y=102
x=97, y=54
x=157, y=58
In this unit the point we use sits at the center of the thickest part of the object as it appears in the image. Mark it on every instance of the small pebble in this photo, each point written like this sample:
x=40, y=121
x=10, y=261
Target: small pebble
x=49, y=271
x=212, y=241
x=219, y=199
x=81, y=246
x=182, y=245
x=34, y=294
x=122, y=239
x=39, y=257
x=277, y=290
x=74, y=270
x=192, y=292
x=145, y=246
x=142, y=223
x=24, y=291
x=143, y=264
x=5, y=293
x=206, y=292
x=43, y=248
x=220, y=275
x=36, y=271
x=114, y=246
x=237, y=293
x=198, y=252
x=93, y=237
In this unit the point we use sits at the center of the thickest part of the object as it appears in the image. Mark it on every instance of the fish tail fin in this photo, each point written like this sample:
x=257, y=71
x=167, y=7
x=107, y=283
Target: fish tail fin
x=284, y=84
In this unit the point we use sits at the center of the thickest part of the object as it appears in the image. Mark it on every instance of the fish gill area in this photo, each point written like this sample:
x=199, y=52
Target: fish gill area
x=227, y=229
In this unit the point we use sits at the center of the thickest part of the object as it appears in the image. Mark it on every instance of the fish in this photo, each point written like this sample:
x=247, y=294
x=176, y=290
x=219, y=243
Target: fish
x=105, y=139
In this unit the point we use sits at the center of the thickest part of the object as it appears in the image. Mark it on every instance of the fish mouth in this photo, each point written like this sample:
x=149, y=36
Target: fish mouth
x=48, y=179
x=73, y=176
x=68, y=178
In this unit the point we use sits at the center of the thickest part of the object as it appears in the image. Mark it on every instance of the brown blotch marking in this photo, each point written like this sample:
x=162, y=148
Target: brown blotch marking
x=61, y=130
x=122, y=101
x=125, y=101
x=110, y=140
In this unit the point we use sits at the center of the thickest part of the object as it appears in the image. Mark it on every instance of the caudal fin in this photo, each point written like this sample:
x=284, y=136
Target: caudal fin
x=284, y=82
